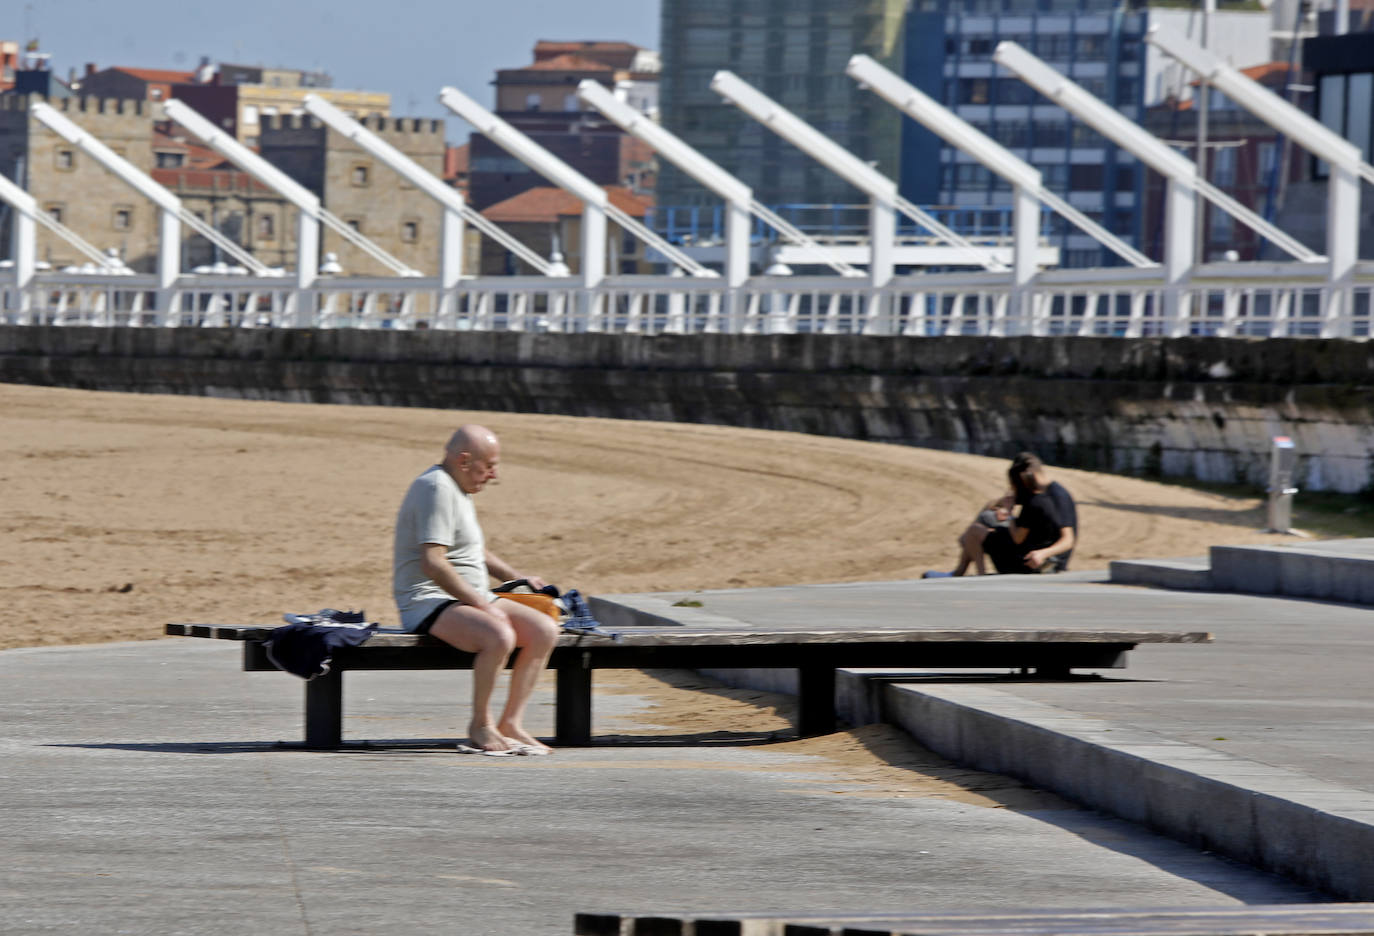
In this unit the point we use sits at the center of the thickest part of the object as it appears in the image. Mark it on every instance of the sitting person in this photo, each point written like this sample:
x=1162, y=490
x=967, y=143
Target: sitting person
x=441, y=580
x=994, y=515
x=1045, y=530
x=1028, y=542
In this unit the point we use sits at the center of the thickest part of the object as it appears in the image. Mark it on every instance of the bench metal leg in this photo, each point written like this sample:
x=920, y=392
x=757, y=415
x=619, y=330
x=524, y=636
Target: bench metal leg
x=573, y=703
x=324, y=710
x=816, y=700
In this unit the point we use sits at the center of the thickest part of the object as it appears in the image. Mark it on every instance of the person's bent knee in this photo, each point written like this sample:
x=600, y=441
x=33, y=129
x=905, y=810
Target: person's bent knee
x=533, y=628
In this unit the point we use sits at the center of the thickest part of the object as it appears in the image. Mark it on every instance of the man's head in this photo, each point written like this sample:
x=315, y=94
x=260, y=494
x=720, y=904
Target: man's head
x=471, y=457
x=1027, y=475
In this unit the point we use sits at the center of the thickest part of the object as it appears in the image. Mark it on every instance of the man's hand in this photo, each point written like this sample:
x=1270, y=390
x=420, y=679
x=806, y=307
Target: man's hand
x=1036, y=558
x=535, y=582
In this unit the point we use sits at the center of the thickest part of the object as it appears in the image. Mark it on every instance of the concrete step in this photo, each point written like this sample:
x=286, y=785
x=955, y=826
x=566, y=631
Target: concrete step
x=1329, y=570
x=1193, y=574
x=1338, y=570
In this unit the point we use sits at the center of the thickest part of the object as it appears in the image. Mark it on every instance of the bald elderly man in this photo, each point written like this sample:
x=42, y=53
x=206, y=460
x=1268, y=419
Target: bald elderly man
x=441, y=576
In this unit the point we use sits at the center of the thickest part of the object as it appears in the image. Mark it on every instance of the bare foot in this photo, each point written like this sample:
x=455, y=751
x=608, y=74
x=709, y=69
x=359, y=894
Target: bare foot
x=487, y=738
x=515, y=735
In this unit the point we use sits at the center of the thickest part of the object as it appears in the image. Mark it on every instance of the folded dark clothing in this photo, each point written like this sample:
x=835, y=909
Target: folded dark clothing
x=306, y=648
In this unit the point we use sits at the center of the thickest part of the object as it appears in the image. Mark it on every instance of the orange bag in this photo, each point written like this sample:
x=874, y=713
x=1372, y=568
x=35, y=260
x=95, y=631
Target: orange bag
x=542, y=603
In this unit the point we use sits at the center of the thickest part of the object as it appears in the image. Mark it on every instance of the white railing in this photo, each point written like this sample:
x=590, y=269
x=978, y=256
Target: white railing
x=1222, y=299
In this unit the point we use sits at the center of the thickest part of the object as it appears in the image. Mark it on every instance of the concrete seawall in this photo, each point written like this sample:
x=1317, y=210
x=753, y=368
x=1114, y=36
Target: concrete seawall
x=1193, y=407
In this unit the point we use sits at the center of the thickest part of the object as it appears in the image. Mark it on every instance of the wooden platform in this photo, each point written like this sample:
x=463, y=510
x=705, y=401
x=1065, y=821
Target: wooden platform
x=1267, y=920
x=815, y=654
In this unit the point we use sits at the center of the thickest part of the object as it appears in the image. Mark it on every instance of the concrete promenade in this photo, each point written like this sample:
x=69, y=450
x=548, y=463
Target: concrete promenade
x=1259, y=746
x=145, y=790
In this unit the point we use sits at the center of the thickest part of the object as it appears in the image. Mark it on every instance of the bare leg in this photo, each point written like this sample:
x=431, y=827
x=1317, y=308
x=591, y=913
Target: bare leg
x=971, y=542
x=492, y=640
x=535, y=635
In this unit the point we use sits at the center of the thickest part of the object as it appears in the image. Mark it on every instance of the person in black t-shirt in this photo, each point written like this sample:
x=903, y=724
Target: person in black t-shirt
x=1046, y=528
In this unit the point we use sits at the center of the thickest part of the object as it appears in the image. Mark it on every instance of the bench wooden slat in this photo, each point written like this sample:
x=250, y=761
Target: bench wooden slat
x=692, y=636
x=1354, y=919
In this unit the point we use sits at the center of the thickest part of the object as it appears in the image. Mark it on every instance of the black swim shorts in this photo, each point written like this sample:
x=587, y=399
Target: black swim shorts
x=433, y=616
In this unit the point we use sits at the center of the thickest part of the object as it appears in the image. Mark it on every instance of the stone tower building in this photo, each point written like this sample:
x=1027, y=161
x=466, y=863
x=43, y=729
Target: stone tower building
x=73, y=187
x=366, y=194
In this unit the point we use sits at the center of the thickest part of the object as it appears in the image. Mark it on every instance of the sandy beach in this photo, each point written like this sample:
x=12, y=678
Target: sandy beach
x=122, y=512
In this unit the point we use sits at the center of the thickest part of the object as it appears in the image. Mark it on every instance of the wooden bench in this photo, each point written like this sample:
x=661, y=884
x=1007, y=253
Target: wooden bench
x=1269, y=920
x=649, y=641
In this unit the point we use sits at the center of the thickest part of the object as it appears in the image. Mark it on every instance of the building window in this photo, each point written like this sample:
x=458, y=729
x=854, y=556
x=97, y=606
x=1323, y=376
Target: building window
x=266, y=227
x=55, y=212
x=355, y=223
x=66, y=160
x=123, y=218
x=410, y=231
x=170, y=160
x=973, y=91
x=1224, y=167
x=1223, y=227
x=360, y=176
x=532, y=101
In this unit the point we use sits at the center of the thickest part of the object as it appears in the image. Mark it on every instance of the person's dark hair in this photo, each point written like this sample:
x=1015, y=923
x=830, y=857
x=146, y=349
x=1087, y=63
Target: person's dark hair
x=1025, y=463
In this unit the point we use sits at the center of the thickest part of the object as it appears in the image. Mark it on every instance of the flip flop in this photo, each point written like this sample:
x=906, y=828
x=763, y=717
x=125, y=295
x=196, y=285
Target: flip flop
x=467, y=749
x=529, y=750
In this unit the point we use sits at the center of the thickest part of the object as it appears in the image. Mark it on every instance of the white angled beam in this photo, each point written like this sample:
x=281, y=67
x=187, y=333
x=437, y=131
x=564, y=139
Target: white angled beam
x=1179, y=174
x=456, y=210
x=737, y=195
x=121, y=167
x=1145, y=146
x=1291, y=121
x=1151, y=150
x=593, y=197
x=23, y=238
x=739, y=198
x=804, y=136
x=269, y=175
x=523, y=148
x=243, y=157
x=1347, y=166
x=665, y=143
x=596, y=203
x=170, y=209
x=169, y=249
x=881, y=191
x=966, y=138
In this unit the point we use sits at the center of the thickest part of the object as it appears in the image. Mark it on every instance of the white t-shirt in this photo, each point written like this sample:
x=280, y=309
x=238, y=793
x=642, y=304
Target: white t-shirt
x=435, y=510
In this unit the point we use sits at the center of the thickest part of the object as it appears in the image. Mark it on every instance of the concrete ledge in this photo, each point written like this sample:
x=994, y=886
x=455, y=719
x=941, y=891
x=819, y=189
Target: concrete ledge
x=1288, y=823
x=1321, y=573
x=1185, y=574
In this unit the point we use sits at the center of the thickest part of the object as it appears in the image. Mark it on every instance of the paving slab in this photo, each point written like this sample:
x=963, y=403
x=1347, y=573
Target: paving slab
x=1286, y=681
x=1260, y=745
x=146, y=792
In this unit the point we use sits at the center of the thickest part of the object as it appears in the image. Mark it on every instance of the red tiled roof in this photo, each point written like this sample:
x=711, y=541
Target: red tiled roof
x=609, y=54
x=564, y=62
x=555, y=47
x=548, y=204
x=157, y=75
x=221, y=180
x=1261, y=72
